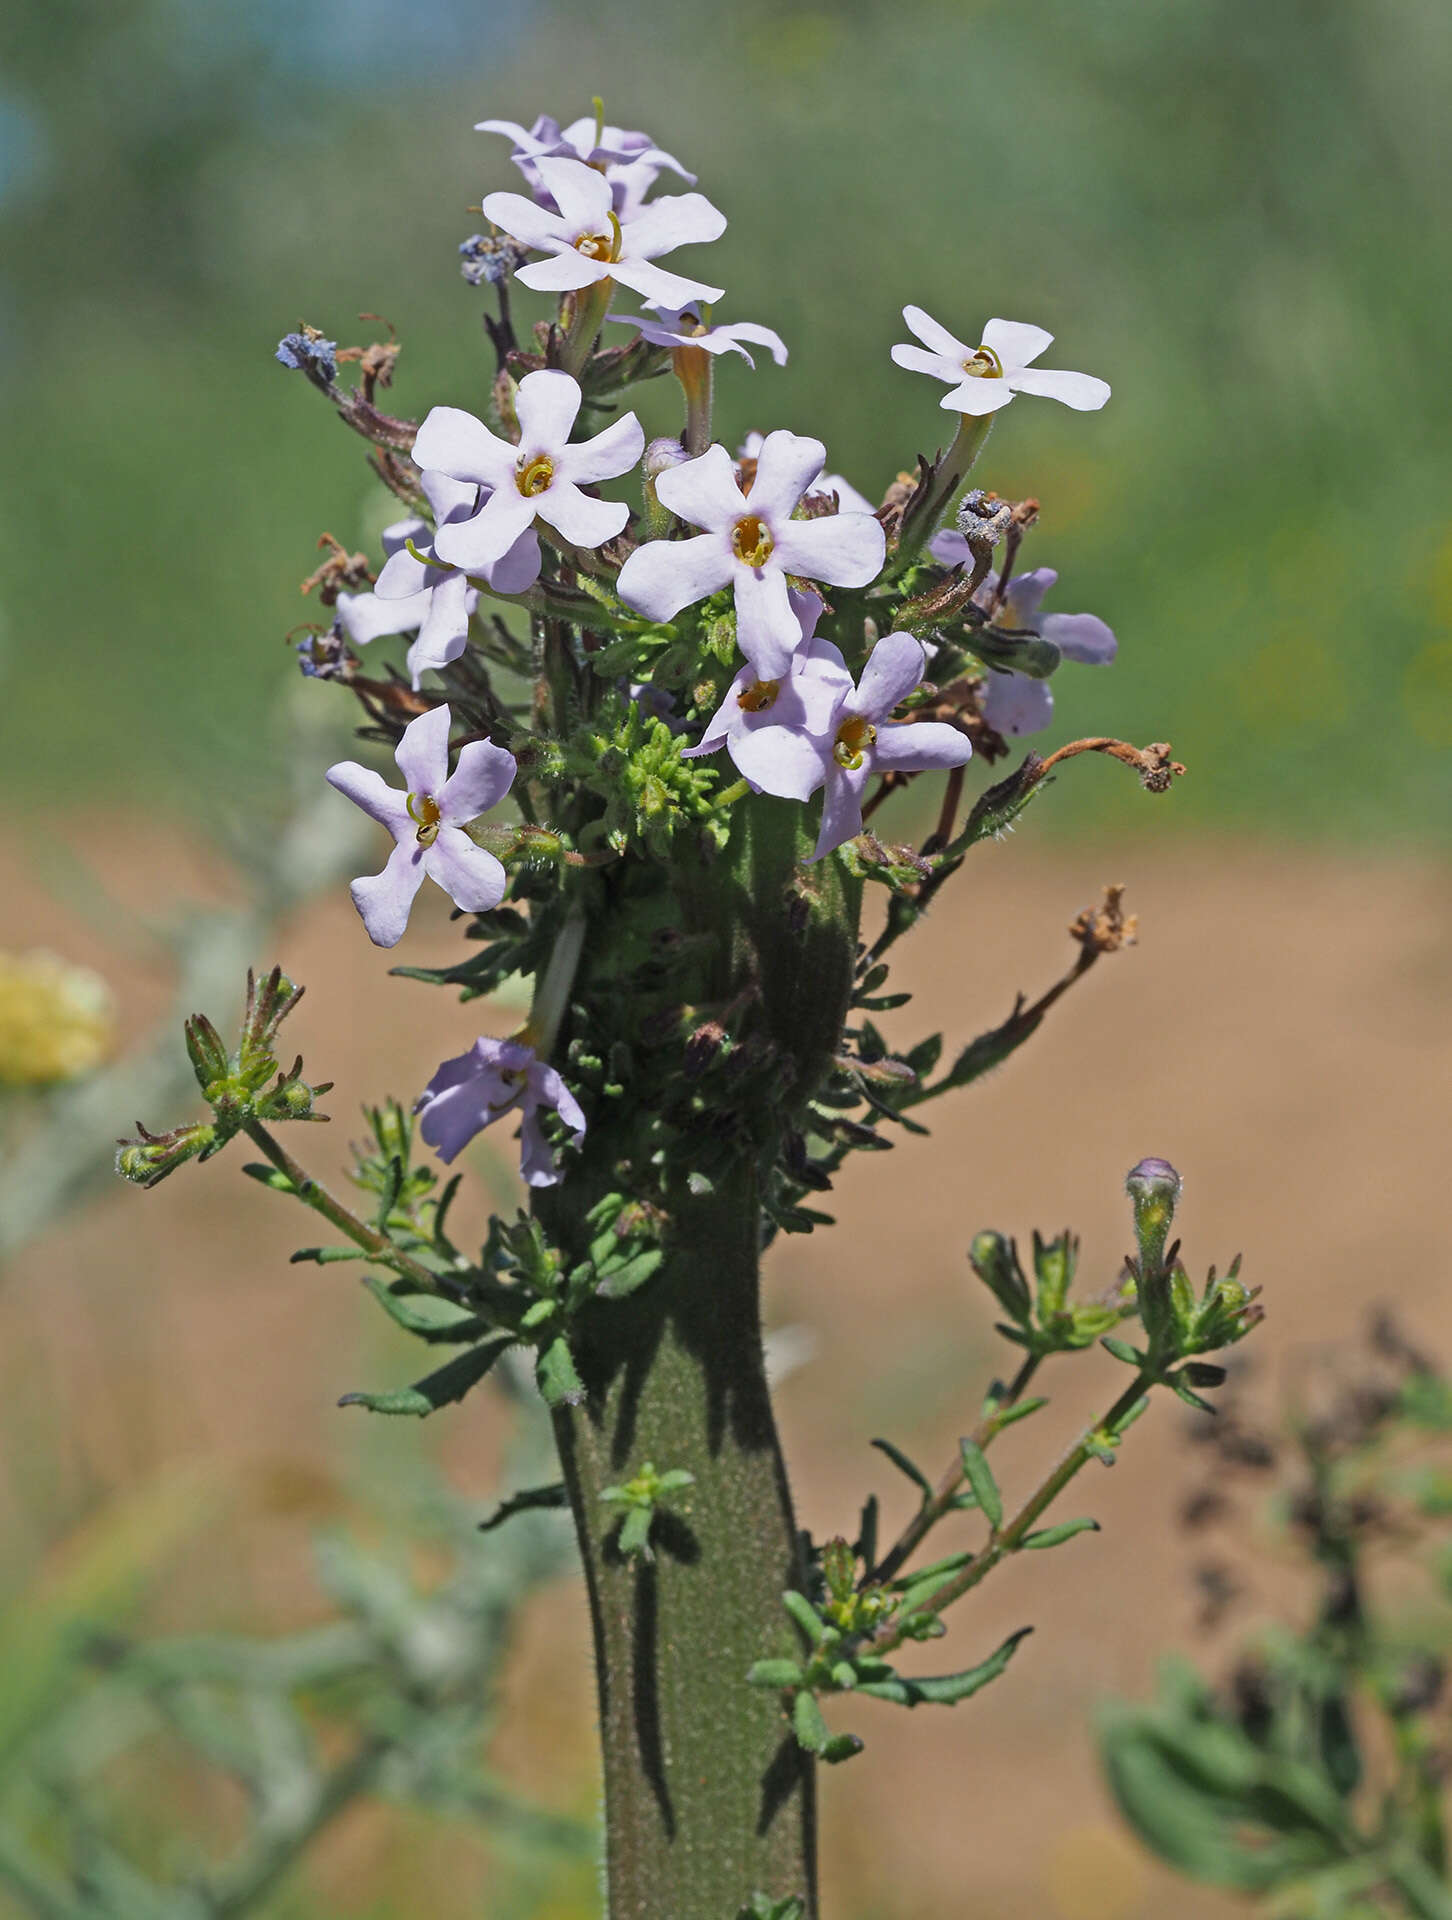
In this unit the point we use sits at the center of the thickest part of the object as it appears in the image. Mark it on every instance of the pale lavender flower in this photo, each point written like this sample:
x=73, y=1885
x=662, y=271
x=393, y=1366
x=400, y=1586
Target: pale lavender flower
x=542, y=476
x=684, y=327
x=859, y=740
x=752, y=543
x=427, y=821
x=493, y=1079
x=1014, y=703
x=434, y=602
x=589, y=241
x=986, y=377
x=768, y=726
x=630, y=162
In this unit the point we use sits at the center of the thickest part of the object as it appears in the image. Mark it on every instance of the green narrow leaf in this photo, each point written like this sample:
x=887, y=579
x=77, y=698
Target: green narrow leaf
x=808, y=1724
x=428, y=1315
x=900, y=1460
x=267, y=1176
x=325, y=1256
x=635, y=1531
x=527, y=1500
x=980, y=1478
x=1055, y=1536
x=438, y=1389
x=1121, y=1349
x=774, y=1674
x=630, y=1274
x=946, y=1689
x=805, y=1615
x=840, y=1747
x=1021, y=1410
x=555, y=1373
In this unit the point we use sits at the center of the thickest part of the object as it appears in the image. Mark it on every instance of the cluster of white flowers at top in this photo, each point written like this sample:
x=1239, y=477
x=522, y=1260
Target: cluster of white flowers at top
x=793, y=721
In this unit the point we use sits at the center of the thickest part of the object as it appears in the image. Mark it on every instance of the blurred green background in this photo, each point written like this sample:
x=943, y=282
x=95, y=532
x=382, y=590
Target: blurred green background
x=1234, y=210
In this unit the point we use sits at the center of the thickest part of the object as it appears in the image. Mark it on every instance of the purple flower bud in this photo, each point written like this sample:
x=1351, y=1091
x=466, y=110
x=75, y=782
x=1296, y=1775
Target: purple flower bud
x=1154, y=1180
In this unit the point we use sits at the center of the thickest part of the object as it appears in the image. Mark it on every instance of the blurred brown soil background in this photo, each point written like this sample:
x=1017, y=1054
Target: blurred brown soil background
x=1282, y=1033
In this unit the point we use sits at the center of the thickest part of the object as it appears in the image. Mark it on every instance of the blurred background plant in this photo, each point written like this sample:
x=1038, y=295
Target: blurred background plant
x=1235, y=207
x=1311, y=1777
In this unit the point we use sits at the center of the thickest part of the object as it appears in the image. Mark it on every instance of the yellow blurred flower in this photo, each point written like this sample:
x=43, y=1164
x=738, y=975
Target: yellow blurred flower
x=57, y=1021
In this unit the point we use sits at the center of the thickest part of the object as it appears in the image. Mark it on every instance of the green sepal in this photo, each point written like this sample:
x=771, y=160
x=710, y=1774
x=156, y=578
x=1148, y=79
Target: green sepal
x=1055, y=1536
x=980, y=1478
x=439, y=1389
x=527, y=1500
x=900, y=1460
x=947, y=1689
x=556, y=1375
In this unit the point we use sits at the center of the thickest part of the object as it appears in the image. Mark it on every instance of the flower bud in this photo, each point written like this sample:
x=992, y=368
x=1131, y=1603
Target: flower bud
x=995, y=1261
x=149, y=1159
x=660, y=456
x=1154, y=1188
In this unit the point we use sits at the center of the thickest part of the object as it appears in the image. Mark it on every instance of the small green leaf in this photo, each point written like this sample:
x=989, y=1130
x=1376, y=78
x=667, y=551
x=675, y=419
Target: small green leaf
x=980, y=1478
x=527, y=1500
x=947, y=1689
x=435, y=1390
x=805, y=1615
x=635, y=1531
x=1055, y=1536
x=840, y=1747
x=1122, y=1350
x=900, y=1460
x=630, y=1274
x=1010, y=1416
x=808, y=1724
x=325, y=1256
x=428, y=1315
x=555, y=1373
x=774, y=1674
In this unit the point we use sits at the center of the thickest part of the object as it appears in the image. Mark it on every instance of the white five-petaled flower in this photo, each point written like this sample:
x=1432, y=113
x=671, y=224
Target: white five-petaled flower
x=770, y=727
x=427, y=821
x=849, y=498
x=432, y=602
x=751, y=542
x=630, y=161
x=684, y=327
x=986, y=377
x=1015, y=703
x=542, y=476
x=493, y=1079
x=589, y=241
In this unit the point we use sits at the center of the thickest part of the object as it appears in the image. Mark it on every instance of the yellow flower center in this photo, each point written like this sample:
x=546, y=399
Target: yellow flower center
x=854, y=737
x=534, y=475
x=984, y=365
x=750, y=542
x=425, y=812
x=760, y=695
x=601, y=246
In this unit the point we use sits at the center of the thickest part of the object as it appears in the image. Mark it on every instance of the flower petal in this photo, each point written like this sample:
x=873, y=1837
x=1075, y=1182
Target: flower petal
x=576, y=517
x=368, y=616
x=1021, y=602
x=551, y=1091
x=462, y=447
x=393, y=539
x=936, y=336
x=675, y=220
x=482, y=777
x=1015, y=342
x=423, y=752
x=581, y=194
x=759, y=336
x=384, y=900
x=1081, y=391
x=841, y=808
x=562, y=273
x=607, y=456
x=786, y=466
x=450, y=499
x=477, y=544
x=767, y=631
x=1014, y=705
x=401, y=577
x=978, y=397
x=919, y=360
x=663, y=576
x=536, y=1160
x=894, y=667
x=950, y=549
x=844, y=549
x=726, y=716
x=525, y=221
x=1078, y=636
x=704, y=490
x=779, y=760
x=442, y=636
x=519, y=568
x=545, y=405
x=657, y=284
x=472, y=877
x=914, y=746
x=370, y=791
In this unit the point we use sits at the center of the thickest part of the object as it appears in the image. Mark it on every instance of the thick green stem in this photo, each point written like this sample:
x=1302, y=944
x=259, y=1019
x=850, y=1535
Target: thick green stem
x=708, y=1798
